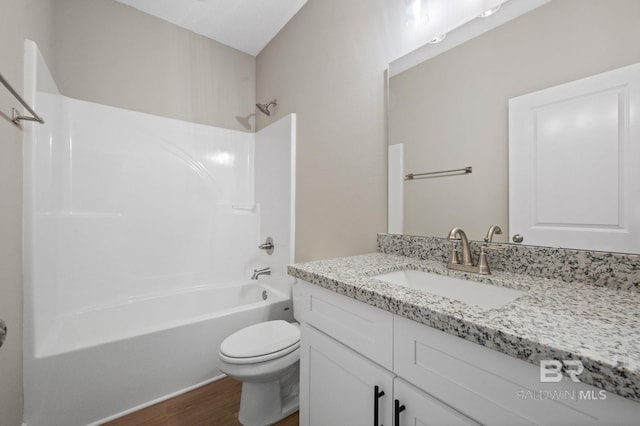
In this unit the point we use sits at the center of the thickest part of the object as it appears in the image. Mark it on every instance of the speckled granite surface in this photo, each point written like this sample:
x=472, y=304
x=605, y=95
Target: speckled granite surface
x=613, y=270
x=554, y=319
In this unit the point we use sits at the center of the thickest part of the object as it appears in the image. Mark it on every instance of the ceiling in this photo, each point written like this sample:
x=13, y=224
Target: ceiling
x=246, y=25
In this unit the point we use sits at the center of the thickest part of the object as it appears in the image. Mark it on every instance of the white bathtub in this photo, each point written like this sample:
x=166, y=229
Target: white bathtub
x=101, y=363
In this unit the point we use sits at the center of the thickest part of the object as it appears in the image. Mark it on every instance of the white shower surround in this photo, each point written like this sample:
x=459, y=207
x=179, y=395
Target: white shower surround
x=129, y=214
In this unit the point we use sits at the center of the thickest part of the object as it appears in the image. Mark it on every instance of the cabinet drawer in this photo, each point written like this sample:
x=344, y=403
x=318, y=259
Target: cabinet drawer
x=364, y=328
x=494, y=388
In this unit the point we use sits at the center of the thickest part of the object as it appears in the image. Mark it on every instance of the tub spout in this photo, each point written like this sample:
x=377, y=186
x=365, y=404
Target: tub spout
x=258, y=272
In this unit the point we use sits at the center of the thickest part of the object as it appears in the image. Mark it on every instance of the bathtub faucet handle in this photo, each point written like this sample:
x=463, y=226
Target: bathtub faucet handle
x=258, y=272
x=268, y=245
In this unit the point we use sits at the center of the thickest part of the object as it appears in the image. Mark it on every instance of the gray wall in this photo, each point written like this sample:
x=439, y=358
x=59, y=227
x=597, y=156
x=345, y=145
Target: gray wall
x=452, y=111
x=18, y=20
x=115, y=55
x=327, y=65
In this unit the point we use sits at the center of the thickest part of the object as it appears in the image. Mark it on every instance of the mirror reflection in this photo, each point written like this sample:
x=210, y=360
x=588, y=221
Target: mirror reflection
x=451, y=111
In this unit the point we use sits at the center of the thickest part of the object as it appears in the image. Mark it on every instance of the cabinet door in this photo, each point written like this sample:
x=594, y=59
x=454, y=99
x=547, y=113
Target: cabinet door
x=422, y=409
x=337, y=385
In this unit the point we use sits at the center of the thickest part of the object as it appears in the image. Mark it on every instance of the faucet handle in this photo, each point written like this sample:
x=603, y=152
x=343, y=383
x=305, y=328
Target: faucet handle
x=267, y=245
x=483, y=264
x=453, y=256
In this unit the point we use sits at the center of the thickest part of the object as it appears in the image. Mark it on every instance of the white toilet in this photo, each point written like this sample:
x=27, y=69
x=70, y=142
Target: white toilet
x=266, y=358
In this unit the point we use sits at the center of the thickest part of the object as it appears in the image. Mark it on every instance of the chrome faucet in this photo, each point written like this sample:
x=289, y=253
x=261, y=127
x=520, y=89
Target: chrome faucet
x=258, y=272
x=467, y=261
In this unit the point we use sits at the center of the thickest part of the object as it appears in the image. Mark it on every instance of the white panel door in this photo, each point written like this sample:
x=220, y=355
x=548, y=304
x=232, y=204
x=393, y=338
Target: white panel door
x=574, y=151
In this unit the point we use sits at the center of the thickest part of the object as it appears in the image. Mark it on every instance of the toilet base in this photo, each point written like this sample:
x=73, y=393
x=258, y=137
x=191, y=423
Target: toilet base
x=263, y=404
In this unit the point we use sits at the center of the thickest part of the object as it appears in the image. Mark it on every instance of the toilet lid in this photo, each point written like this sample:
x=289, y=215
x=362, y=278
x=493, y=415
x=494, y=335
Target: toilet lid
x=261, y=339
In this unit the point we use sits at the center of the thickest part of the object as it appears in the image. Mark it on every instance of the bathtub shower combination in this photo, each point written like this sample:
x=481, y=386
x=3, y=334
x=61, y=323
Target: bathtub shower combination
x=140, y=236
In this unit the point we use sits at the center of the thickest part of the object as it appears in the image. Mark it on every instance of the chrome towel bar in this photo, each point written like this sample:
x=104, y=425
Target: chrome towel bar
x=15, y=115
x=463, y=171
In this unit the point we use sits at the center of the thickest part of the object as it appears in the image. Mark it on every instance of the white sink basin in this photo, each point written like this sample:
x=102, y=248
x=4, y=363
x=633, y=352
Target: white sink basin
x=483, y=295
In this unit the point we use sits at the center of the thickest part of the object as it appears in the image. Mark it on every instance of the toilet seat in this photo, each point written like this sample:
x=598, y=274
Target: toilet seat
x=261, y=342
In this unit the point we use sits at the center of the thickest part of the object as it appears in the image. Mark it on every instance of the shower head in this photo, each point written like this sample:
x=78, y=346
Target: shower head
x=265, y=107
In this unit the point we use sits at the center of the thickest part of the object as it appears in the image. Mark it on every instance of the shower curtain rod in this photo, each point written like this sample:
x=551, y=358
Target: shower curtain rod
x=15, y=115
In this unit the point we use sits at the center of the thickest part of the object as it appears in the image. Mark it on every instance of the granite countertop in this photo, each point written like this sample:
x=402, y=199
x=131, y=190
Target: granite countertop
x=553, y=319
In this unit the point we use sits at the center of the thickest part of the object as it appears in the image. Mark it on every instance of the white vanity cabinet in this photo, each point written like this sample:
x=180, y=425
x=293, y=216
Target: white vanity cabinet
x=345, y=367
x=341, y=387
x=428, y=377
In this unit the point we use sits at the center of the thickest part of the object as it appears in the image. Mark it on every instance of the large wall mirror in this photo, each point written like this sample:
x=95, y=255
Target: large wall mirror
x=451, y=110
